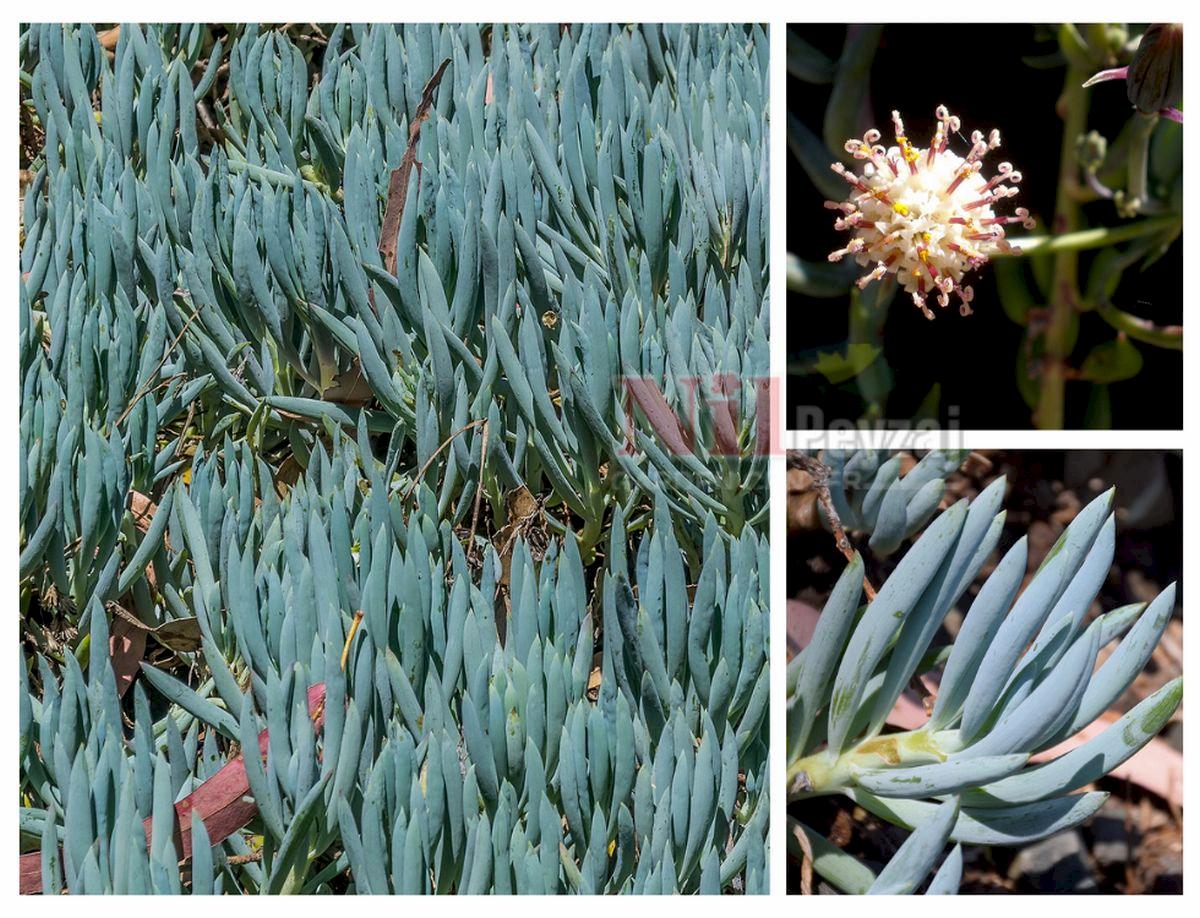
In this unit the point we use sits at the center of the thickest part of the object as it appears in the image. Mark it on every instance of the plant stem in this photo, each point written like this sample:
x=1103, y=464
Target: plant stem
x=1139, y=159
x=822, y=772
x=1166, y=336
x=1096, y=238
x=1064, y=287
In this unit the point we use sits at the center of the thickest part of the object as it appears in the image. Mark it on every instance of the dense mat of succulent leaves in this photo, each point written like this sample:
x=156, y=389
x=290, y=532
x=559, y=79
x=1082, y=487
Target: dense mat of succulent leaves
x=1020, y=678
x=870, y=495
x=207, y=320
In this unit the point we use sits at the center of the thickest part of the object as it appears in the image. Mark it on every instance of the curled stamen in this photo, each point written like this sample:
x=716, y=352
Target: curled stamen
x=851, y=178
x=919, y=299
x=999, y=193
x=950, y=124
x=907, y=152
x=1021, y=216
x=945, y=287
x=844, y=206
x=856, y=245
x=965, y=295
x=978, y=148
x=935, y=145
x=1004, y=173
x=876, y=273
x=867, y=148
x=964, y=171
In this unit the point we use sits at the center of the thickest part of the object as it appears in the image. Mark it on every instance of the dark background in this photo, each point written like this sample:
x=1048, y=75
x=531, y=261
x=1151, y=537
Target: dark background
x=979, y=73
x=1149, y=508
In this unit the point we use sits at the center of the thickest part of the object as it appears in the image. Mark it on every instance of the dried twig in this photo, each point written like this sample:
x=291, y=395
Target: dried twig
x=137, y=396
x=252, y=858
x=398, y=182
x=819, y=473
x=358, y=617
x=437, y=452
x=806, y=856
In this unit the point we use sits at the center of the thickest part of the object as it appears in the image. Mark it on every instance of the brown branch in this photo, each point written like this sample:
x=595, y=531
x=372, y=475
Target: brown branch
x=252, y=858
x=800, y=837
x=819, y=473
x=358, y=617
x=437, y=452
x=222, y=802
x=137, y=396
x=397, y=191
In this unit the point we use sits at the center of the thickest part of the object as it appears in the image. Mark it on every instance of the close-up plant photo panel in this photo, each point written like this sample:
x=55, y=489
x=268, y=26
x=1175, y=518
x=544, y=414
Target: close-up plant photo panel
x=985, y=225
x=985, y=672
x=392, y=473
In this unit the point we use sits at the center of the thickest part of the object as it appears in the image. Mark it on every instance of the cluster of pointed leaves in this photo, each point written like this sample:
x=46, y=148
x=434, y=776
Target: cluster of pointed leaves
x=1019, y=679
x=589, y=212
x=458, y=753
x=203, y=291
x=870, y=494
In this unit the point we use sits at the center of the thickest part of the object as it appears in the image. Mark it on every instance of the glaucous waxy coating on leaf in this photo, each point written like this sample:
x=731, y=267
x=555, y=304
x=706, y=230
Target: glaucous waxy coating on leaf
x=983, y=763
x=359, y=308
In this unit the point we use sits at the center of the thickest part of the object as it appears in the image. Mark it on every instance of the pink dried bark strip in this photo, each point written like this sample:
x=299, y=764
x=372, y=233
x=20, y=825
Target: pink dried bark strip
x=223, y=802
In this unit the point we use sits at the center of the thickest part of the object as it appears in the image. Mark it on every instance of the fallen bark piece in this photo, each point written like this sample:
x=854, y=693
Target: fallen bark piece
x=223, y=802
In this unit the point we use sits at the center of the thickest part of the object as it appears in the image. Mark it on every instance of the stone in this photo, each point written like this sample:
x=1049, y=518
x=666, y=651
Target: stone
x=1110, y=837
x=1058, y=864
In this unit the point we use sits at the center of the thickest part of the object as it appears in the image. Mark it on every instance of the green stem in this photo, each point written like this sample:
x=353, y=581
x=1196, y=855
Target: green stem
x=1064, y=288
x=1096, y=238
x=1139, y=159
x=823, y=773
x=733, y=498
x=836, y=866
x=1166, y=336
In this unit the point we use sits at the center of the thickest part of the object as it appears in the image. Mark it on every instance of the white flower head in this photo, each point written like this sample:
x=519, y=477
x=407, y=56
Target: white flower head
x=925, y=215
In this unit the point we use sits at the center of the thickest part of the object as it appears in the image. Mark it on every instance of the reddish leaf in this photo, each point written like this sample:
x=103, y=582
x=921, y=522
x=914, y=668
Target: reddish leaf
x=666, y=425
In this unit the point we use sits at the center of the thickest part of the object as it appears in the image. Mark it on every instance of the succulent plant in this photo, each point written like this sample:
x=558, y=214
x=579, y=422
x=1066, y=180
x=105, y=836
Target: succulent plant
x=453, y=751
x=1019, y=678
x=358, y=373
x=869, y=493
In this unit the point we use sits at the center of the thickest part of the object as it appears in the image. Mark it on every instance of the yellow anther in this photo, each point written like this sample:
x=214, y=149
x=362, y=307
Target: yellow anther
x=901, y=209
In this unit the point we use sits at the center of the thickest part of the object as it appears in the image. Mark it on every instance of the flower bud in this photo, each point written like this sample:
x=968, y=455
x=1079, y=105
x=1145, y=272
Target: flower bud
x=1155, y=78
